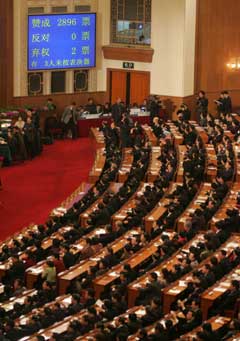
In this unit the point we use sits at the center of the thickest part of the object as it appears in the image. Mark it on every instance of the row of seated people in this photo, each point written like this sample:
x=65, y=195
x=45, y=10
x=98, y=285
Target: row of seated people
x=33, y=237
x=167, y=269
x=217, y=328
x=222, y=145
x=191, y=316
x=207, y=250
x=126, y=251
x=16, y=246
x=228, y=122
x=38, y=234
x=129, y=273
x=149, y=195
x=108, y=175
x=112, y=163
x=139, y=168
x=228, y=217
x=183, y=193
x=225, y=171
x=100, y=187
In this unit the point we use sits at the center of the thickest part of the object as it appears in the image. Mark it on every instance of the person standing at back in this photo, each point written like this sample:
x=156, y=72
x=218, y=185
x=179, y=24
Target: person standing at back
x=69, y=120
x=227, y=103
x=117, y=111
x=202, y=105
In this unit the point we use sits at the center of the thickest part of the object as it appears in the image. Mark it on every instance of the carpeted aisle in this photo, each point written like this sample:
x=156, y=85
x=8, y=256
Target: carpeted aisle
x=32, y=189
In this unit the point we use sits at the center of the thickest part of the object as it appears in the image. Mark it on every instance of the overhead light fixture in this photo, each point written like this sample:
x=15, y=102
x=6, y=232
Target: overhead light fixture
x=234, y=64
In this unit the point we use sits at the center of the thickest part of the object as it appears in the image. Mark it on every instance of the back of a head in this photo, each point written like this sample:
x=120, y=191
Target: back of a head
x=207, y=327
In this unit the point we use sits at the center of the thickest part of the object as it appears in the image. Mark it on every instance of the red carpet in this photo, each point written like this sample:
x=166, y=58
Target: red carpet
x=32, y=189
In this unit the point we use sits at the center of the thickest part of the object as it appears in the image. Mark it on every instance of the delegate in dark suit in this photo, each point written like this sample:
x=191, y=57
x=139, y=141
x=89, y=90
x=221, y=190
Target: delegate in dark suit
x=69, y=119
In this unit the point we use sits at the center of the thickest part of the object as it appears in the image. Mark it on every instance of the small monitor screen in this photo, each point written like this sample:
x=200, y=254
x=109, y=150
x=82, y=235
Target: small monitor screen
x=61, y=41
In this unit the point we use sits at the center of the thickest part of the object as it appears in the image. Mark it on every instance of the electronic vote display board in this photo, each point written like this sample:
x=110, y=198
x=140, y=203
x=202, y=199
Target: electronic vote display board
x=61, y=41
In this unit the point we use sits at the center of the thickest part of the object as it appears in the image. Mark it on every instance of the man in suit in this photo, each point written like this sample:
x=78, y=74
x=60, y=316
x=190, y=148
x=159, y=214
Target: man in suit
x=227, y=103
x=68, y=258
x=207, y=277
x=69, y=120
x=17, y=269
x=12, y=332
x=230, y=297
x=117, y=111
x=91, y=107
x=153, y=288
x=220, y=103
x=155, y=105
x=75, y=305
x=202, y=104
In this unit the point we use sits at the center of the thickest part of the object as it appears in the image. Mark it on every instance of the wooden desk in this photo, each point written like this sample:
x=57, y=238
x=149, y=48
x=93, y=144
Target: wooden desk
x=126, y=164
x=18, y=235
x=65, y=278
x=178, y=137
x=159, y=210
x=154, y=167
x=9, y=305
x=211, y=162
x=236, y=149
x=140, y=311
x=218, y=289
x=230, y=202
x=113, y=187
x=76, y=196
x=101, y=282
x=58, y=327
x=97, y=137
x=171, y=293
x=150, y=136
x=151, y=329
x=217, y=322
x=33, y=272
x=236, y=116
x=98, y=165
x=211, y=158
x=199, y=199
x=121, y=214
x=64, y=301
x=181, y=151
x=140, y=283
x=84, y=125
x=200, y=131
x=47, y=242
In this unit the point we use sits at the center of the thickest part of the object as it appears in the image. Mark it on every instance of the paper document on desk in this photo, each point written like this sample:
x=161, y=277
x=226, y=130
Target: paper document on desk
x=68, y=300
x=24, y=321
x=140, y=312
x=219, y=320
x=174, y=291
x=36, y=270
x=182, y=284
x=219, y=289
x=100, y=231
x=233, y=245
x=99, y=303
x=226, y=284
x=113, y=274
